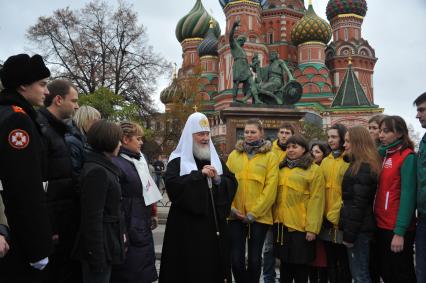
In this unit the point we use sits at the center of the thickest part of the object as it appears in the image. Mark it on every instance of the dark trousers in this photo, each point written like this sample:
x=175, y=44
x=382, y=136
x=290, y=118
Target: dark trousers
x=374, y=261
x=297, y=272
x=396, y=267
x=318, y=275
x=337, y=263
x=421, y=249
x=90, y=276
x=61, y=268
x=255, y=234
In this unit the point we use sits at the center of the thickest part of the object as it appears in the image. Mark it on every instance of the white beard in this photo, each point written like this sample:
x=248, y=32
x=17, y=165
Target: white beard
x=201, y=152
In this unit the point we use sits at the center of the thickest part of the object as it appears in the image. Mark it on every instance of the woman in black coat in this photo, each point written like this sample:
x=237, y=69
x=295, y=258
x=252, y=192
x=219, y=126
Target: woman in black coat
x=139, y=265
x=100, y=243
x=359, y=186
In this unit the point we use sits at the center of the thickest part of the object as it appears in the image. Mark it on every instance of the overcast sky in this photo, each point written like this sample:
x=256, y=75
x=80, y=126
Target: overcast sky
x=394, y=28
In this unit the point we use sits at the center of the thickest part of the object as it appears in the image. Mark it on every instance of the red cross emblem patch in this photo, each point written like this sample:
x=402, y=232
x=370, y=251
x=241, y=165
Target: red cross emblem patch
x=19, y=139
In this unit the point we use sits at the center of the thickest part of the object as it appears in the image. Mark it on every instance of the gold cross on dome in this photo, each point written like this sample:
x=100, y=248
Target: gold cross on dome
x=195, y=108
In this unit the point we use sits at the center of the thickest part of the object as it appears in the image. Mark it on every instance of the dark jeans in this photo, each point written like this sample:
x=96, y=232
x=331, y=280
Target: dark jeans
x=337, y=263
x=297, y=272
x=90, y=276
x=255, y=234
x=318, y=275
x=421, y=250
x=269, y=258
x=359, y=256
x=396, y=267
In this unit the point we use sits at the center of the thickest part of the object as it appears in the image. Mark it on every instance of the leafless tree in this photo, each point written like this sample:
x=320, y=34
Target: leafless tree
x=101, y=46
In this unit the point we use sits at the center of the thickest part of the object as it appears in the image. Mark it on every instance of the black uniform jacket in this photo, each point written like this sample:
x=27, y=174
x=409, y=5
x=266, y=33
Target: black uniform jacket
x=192, y=252
x=21, y=163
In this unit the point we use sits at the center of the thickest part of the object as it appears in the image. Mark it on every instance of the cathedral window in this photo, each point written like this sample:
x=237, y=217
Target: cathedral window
x=270, y=38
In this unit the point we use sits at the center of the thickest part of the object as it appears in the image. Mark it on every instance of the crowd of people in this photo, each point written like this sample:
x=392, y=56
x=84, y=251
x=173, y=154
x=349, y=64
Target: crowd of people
x=78, y=202
x=78, y=198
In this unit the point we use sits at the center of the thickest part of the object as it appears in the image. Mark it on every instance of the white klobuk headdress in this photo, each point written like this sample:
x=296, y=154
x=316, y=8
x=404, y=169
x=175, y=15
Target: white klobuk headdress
x=197, y=122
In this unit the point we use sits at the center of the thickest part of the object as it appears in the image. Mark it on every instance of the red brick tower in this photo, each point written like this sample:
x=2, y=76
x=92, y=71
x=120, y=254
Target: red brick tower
x=249, y=15
x=346, y=18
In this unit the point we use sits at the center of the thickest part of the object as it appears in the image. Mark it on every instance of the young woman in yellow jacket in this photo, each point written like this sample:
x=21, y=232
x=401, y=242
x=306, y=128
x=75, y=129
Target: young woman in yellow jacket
x=256, y=168
x=333, y=168
x=298, y=211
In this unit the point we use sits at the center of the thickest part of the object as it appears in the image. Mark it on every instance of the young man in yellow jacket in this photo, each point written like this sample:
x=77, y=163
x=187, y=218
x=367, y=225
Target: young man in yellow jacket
x=333, y=168
x=279, y=147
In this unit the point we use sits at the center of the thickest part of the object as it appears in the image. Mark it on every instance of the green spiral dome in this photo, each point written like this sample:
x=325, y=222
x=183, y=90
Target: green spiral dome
x=195, y=24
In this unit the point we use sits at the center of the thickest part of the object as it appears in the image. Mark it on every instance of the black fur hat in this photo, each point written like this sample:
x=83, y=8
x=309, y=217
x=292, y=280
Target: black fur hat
x=22, y=69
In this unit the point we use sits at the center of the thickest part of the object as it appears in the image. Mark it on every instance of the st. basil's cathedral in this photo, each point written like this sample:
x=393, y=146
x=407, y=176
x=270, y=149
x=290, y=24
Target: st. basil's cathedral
x=330, y=59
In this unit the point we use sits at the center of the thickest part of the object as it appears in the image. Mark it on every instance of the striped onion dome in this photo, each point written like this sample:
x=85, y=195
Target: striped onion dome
x=338, y=7
x=195, y=24
x=209, y=45
x=311, y=28
x=262, y=3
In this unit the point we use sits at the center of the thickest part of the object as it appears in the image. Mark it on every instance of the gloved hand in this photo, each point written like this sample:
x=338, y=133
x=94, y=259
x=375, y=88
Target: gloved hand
x=41, y=264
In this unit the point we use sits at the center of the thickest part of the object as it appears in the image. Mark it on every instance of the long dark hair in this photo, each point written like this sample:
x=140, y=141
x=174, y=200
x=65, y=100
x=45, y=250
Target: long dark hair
x=397, y=125
x=341, y=130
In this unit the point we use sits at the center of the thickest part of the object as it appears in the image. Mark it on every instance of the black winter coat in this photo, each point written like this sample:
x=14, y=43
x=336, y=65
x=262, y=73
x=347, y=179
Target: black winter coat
x=101, y=238
x=139, y=265
x=61, y=189
x=358, y=192
x=21, y=174
x=192, y=252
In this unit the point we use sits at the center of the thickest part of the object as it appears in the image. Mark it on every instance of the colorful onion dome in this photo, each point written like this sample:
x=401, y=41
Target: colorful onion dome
x=195, y=24
x=168, y=95
x=173, y=92
x=209, y=45
x=311, y=28
x=262, y=3
x=338, y=7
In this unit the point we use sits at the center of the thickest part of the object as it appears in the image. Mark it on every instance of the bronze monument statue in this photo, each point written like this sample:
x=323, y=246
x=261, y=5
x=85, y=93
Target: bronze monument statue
x=240, y=69
x=274, y=84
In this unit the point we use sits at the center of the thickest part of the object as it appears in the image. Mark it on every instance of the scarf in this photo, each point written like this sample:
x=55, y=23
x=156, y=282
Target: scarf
x=150, y=192
x=253, y=147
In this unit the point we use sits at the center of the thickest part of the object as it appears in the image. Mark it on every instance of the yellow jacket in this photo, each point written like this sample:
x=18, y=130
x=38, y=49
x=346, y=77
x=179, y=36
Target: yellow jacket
x=300, y=199
x=333, y=170
x=257, y=182
x=278, y=151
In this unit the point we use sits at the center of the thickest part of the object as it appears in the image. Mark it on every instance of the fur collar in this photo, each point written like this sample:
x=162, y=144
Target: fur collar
x=267, y=146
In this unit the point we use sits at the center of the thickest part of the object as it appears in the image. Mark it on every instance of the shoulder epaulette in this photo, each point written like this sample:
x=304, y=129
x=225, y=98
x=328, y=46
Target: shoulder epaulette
x=18, y=109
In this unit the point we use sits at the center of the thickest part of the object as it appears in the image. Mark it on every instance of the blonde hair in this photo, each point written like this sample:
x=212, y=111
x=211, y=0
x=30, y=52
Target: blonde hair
x=363, y=150
x=131, y=129
x=84, y=117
